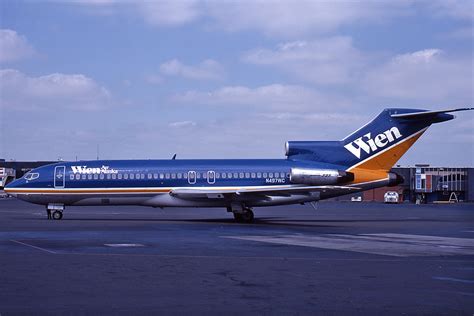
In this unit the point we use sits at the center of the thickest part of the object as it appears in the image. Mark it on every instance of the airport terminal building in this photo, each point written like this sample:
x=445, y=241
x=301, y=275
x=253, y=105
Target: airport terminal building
x=429, y=184
x=423, y=183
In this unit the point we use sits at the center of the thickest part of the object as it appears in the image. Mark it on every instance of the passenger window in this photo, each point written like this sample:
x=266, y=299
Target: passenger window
x=224, y=175
x=84, y=177
x=236, y=175
x=162, y=176
x=167, y=176
x=180, y=175
x=218, y=175
x=259, y=175
x=282, y=174
x=96, y=176
x=229, y=175
x=155, y=176
x=247, y=175
x=89, y=177
x=149, y=175
x=185, y=175
x=198, y=175
x=119, y=176
x=108, y=176
x=264, y=174
x=253, y=175
x=114, y=176
x=71, y=177
x=270, y=175
x=241, y=175
x=125, y=176
x=132, y=176
x=173, y=176
x=142, y=176
x=78, y=176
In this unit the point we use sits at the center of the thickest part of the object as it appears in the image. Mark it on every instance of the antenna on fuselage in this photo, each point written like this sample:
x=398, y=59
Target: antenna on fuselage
x=174, y=157
x=97, y=151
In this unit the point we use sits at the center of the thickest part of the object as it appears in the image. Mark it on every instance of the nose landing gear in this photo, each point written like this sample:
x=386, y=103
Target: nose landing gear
x=56, y=210
x=57, y=215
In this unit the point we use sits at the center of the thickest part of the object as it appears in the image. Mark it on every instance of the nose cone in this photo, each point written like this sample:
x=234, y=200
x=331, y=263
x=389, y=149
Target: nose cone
x=10, y=187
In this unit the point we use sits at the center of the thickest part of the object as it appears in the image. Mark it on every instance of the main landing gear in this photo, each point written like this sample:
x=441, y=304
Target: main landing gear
x=55, y=211
x=245, y=217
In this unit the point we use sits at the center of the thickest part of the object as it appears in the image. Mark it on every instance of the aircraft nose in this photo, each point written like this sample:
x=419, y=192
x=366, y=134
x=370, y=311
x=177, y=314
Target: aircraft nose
x=9, y=188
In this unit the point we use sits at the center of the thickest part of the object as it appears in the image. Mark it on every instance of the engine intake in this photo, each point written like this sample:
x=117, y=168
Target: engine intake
x=320, y=176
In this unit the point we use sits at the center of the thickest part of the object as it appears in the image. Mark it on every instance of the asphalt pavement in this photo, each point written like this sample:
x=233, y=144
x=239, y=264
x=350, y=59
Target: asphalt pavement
x=344, y=258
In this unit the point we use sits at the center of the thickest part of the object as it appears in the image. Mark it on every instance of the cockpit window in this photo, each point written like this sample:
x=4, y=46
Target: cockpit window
x=31, y=176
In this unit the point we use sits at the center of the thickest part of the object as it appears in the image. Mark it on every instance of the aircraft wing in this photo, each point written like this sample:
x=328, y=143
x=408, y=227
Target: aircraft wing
x=253, y=192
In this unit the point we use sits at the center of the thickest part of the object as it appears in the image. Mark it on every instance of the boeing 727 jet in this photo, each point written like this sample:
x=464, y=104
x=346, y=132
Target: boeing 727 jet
x=312, y=171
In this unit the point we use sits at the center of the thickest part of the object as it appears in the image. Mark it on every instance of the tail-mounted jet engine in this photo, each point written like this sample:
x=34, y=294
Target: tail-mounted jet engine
x=320, y=176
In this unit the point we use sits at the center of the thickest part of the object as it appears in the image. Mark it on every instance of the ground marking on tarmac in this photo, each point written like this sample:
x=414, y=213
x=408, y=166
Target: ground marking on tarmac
x=398, y=245
x=35, y=247
x=124, y=245
x=454, y=280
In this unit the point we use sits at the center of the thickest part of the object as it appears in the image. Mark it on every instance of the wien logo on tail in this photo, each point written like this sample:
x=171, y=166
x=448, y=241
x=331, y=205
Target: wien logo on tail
x=371, y=145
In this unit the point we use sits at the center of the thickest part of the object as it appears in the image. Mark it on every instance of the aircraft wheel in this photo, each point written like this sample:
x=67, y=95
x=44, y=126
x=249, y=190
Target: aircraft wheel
x=57, y=215
x=238, y=217
x=247, y=216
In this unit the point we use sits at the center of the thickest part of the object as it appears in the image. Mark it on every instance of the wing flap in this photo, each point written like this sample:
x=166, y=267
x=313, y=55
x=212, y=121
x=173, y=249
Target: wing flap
x=253, y=192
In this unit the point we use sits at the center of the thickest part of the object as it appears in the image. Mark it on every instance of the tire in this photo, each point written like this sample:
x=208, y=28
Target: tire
x=238, y=217
x=247, y=217
x=57, y=215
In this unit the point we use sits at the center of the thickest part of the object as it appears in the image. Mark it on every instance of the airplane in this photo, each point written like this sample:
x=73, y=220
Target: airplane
x=312, y=171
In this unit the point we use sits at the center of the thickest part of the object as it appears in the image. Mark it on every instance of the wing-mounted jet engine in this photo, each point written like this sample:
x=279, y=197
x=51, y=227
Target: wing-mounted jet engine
x=320, y=176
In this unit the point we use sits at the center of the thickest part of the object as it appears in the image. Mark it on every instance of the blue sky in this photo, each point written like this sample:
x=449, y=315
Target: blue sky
x=227, y=79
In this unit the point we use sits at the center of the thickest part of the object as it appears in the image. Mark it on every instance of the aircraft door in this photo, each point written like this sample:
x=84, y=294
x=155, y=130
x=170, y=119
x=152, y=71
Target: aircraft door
x=191, y=177
x=59, y=176
x=211, y=177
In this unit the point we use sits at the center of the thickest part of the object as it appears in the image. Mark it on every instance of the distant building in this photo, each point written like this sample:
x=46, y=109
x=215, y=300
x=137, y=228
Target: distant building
x=428, y=184
x=6, y=175
x=22, y=167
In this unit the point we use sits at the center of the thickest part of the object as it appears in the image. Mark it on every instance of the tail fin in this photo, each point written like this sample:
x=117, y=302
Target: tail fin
x=375, y=146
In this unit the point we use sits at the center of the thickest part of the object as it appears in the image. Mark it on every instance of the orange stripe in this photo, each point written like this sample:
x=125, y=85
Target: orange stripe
x=89, y=191
x=378, y=167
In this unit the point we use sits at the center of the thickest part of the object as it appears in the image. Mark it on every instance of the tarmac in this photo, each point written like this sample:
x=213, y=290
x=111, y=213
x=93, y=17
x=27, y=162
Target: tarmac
x=344, y=258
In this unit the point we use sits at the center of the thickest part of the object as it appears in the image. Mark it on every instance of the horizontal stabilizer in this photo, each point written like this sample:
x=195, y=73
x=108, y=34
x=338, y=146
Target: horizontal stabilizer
x=424, y=114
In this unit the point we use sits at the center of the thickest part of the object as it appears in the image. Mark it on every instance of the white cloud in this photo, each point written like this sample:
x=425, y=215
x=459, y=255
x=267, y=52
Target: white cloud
x=270, y=97
x=207, y=70
x=428, y=75
x=170, y=13
x=72, y=91
x=280, y=19
x=323, y=61
x=181, y=124
x=13, y=46
x=459, y=9
x=304, y=17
